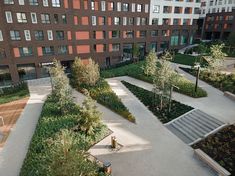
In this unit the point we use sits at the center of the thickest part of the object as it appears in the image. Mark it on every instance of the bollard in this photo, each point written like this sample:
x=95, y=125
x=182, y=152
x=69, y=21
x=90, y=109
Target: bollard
x=113, y=142
x=107, y=168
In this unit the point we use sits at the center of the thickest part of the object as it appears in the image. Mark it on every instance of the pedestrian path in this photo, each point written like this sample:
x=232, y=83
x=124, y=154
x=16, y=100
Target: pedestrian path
x=15, y=149
x=216, y=104
x=148, y=147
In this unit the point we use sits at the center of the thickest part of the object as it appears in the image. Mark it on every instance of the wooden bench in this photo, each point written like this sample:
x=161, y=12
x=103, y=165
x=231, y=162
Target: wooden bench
x=229, y=95
x=211, y=163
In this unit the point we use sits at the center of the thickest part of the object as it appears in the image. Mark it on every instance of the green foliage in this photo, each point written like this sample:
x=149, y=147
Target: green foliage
x=220, y=147
x=67, y=159
x=231, y=39
x=90, y=116
x=136, y=71
x=147, y=97
x=105, y=96
x=188, y=60
x=219, y=80
x=85, y=73
x=60, y=87
x=13, y=93
x=42, y=153
x=150, y=64
x=136, y=51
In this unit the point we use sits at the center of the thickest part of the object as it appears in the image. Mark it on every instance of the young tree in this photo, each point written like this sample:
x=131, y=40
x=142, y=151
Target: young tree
x=67, y=159
x=151, y=64
x=136, y=52
x=90, y=116
x=163, y=79
x=216, y=57
x=87, y=74
x=61, y=90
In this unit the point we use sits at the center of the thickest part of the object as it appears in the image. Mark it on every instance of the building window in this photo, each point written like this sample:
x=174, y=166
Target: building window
x=34, y=18
x=63, y=49
x=48, y=50
x=8, y=17
x=60, y=35
x=39, y=35
x=167, y=9
x=1, y=37
x=155, y=21
x=93, y=20
x=143, y=21
x=45, y=3
x=21, y=17
x=15, y=35
x=142, y=34
x=55, y=3
x=165, y=33
x=111, y=6
x=156, y=9
x=139, y=7
x=102, y=21
x=26, y=71
x=115, y=47
x=8, y=1
x=129, y=34
x=116, y=20
x=45, y=18
x=125, y=7
x=64, y=19
x=166, y=21
x=92, y=5
x=33, y=2
x=21, y=2
x=146, y=8
x=131, y=21
x=154, y=33
x=26, y=51
x=133, y=7
x=5, y=76
x=103, y=6
x=50, y=35
x=137, y=21
x=115, y=34
x=27, y=35
x=56, y=18
x=176, y=21
x=119, y=6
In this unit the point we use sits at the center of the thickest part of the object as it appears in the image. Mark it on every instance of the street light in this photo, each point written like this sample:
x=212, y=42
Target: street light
x=197, y=66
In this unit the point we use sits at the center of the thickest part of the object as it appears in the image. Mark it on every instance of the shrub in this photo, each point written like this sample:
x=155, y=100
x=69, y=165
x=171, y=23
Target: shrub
x=85, y=73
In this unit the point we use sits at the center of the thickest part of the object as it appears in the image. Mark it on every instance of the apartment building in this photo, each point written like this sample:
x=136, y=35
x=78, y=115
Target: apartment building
x=33, y=32
x=218, y=18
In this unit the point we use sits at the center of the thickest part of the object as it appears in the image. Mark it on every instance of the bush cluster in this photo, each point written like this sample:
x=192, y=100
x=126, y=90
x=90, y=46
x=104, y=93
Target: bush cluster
x=149, y=99
x=41, y=155
x=136, y=71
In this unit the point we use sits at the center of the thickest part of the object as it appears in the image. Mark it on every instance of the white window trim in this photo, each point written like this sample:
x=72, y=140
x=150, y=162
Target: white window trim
x=1, y=37
x=36, y=20
x=8, y=14
x=27, y=35
x=119, y=6
x=133, y=7
x=45, y=3
x=93, y=20
x=146, y=8
x=103, y=6
x=50, y=34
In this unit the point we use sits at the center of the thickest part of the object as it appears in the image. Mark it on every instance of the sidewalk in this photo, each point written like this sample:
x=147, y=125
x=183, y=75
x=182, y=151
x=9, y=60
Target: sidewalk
x=15, y=149
x=148, y=147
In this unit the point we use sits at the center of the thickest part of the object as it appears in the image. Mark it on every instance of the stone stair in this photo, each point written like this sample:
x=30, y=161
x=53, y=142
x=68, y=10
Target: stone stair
x=194, y=126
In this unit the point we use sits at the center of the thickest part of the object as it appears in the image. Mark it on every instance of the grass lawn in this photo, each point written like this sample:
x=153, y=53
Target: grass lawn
x=12, y=94
x=39, y=158
x=220, y=147
x=104, y=95
x=135, y=70
x=186, y=59
x=147, y=98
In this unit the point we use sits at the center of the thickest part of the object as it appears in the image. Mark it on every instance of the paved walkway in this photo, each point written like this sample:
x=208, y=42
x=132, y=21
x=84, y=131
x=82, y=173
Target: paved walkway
x=148, y=147
x=14, y=151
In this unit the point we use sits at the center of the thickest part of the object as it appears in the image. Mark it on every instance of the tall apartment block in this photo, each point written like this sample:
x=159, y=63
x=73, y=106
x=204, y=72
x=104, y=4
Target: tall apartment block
x=33, y=32
x=217, y=19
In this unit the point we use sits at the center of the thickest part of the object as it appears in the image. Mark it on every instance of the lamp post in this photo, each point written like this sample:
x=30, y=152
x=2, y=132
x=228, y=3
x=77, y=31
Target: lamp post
x=197, y=66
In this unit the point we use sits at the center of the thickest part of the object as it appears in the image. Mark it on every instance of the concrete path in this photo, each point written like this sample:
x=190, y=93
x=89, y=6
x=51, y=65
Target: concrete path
x=216, y=104
x=148, y=147
x=15, y=149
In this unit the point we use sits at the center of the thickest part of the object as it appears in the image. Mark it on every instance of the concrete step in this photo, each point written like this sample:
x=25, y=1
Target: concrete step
x=204, y=120
x=193, y=127
x=210, y=117
x=203, y=127
x=185, y=130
